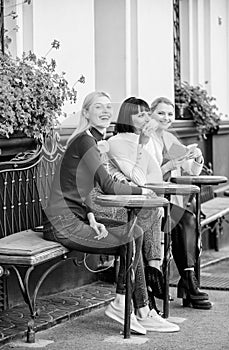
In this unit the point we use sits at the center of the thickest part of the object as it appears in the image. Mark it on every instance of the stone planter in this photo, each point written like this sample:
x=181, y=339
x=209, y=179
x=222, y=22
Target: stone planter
x=182, y=111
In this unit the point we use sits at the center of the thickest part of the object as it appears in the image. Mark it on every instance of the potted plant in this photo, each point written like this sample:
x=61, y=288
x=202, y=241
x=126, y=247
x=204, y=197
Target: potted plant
x=32, y=95
x=193, y=102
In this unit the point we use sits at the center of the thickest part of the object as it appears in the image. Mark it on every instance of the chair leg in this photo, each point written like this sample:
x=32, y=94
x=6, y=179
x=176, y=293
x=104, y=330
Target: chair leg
x=128, y=297
x=31, y=296
x=116, y=268
x=218, y=233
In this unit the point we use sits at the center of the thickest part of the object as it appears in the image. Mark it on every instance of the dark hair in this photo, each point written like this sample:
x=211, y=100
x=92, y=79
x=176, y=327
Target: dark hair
x=129, y=107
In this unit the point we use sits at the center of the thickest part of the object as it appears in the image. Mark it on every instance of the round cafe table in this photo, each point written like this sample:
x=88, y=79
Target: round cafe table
x=169, y=188
x=133, y=203
x=199, y=180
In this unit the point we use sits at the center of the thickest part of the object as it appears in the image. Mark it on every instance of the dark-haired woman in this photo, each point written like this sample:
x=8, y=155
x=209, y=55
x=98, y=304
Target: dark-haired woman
x=133, y=154
x=129, y=161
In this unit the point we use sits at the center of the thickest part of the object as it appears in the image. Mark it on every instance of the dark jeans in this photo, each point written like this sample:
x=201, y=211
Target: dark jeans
x=76, y=234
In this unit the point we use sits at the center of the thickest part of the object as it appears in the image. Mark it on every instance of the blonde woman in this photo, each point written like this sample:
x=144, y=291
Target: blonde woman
x=184, y=238
x=71, y=221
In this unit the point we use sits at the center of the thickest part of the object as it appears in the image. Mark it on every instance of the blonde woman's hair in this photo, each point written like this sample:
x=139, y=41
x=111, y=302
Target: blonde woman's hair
x=159, y=100
x=84, y=123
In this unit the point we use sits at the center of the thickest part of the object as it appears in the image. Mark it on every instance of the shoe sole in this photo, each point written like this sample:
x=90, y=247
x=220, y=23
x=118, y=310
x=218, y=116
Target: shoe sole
x=208, y=306
x=121, y=321
x=162, y=330
x=160, y=327
x=196, y=297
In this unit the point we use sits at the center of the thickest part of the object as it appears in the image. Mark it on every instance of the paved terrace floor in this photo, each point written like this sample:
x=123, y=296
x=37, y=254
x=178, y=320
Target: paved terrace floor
x=75, y=319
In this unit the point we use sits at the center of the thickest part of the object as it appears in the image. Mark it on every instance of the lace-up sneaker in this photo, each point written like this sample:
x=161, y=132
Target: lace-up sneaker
x=117, y=313
x=155, y=323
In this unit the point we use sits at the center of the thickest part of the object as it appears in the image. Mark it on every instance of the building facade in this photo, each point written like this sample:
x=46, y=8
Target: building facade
x=130, y=47
x=126, y=47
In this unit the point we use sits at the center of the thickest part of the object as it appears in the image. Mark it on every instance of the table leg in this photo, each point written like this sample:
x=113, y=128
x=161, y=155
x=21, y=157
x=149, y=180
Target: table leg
x=198, y=229
x=167, y=252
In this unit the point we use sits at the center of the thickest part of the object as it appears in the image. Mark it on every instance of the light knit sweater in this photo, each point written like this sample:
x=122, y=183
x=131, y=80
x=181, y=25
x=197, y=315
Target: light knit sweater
x=143, y=164
x=133, y=160
x=189, y=166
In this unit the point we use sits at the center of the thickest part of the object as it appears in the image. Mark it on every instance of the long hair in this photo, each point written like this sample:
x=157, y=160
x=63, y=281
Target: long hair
x=84, y=123
x=159, y=100
x=129, y=107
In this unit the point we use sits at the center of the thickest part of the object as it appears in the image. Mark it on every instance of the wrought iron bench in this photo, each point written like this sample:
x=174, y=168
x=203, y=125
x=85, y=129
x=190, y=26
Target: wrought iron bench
x=25, y=184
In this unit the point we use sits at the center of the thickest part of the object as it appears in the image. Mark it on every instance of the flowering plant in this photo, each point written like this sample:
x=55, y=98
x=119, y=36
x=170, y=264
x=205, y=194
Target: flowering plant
x=32, y=95
x=197, y=105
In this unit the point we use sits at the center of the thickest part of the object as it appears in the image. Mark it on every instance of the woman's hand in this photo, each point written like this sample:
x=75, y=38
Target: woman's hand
x=150, y=127
x=149, y=193
x=147, y=131
x=173, y=164
x=197, y=155
x=99, y=228
x=103, y=146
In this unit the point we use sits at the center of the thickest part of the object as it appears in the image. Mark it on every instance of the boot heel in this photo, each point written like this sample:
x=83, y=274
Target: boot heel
x=181, y=291
x=152, y=303
x=186, y=302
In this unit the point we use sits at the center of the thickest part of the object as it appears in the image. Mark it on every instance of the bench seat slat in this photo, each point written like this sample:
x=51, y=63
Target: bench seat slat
x=29, y=248
x=214, y=209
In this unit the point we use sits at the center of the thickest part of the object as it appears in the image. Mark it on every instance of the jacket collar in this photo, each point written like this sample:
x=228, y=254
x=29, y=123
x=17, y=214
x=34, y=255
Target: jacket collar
x=98, y=136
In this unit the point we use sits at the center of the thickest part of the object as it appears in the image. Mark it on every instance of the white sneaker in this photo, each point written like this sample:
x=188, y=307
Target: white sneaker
x=155, y=323
x=117, y=313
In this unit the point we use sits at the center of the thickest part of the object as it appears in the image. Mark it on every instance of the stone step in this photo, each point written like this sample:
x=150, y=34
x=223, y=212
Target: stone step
x=54, y=309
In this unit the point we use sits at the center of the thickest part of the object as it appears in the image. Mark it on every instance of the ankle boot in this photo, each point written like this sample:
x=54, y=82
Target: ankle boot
x=155, y=280
x=188, y=290
x=188, y=287
x=152, y=303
